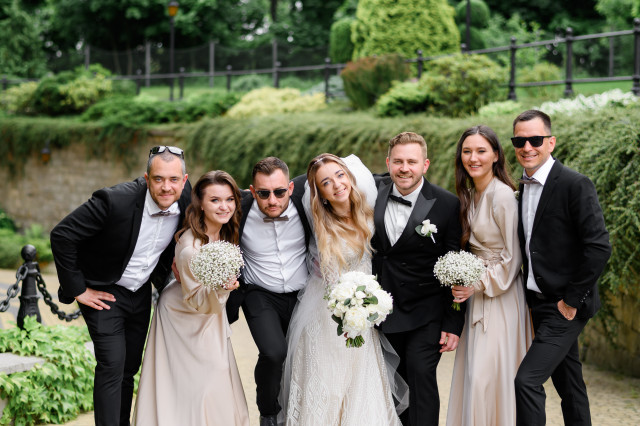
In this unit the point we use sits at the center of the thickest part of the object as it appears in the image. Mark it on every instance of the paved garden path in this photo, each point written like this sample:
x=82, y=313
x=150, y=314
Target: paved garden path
x=615, y=399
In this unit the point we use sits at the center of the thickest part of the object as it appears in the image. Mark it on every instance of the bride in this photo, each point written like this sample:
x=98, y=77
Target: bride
x=324, y=382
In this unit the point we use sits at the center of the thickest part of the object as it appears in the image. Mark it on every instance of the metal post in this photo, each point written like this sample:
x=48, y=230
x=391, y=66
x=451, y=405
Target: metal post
x=181, y=82
x=636, y=57
x=5, y=83
x=138, y=81
x=420, y=63
x=87, y=56
x=171, y=59
x=611, y=55
x=212, y=61
x=327, y=61
x=29, y=296
x=147, y=63
x=276, y=75
x=512, y=74
x=228, y=78
x=568, y=90
x=467, y=37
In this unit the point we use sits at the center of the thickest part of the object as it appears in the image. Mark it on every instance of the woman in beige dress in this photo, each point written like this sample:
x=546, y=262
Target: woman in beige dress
x=189, y=373
x=497, y=330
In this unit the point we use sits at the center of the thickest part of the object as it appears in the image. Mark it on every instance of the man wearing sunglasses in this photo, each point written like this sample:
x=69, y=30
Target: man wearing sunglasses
x=565, y=247
x=274, y=236
x=107, y=252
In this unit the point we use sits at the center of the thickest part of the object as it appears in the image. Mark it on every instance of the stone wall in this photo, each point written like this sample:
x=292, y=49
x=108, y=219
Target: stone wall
x=45, y=193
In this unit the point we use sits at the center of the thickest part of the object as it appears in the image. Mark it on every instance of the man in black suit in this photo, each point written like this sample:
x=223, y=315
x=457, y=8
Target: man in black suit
x=274, y=236
x=107, y=252
x=423, y=323
x=565, y=247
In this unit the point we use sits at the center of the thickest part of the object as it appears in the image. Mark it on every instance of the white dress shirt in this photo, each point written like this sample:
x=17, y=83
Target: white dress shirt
x=274, y=252
x=396, y=215
x=530, y=198
x=155, y=235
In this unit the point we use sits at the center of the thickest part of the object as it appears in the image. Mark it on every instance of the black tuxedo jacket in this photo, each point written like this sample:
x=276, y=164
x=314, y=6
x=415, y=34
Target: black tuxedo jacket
x=569, y=242
x=406, y=268
x=237, y=297
x=93, y=244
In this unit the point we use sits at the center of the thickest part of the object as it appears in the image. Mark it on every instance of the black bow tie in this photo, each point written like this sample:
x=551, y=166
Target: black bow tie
x=399, y=200
x=526, y=180
x=162, y=213
x=276, y=219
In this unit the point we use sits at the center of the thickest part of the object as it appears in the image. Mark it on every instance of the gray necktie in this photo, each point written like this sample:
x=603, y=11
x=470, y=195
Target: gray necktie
x=276, y=219
x=526, y=180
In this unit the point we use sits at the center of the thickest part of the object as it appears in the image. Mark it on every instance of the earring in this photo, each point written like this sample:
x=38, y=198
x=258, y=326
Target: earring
x=324, y=201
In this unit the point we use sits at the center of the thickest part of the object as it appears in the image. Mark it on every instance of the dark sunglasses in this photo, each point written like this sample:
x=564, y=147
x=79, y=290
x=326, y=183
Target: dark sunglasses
x=265, y=193
x=535, y=141
x=172, y=149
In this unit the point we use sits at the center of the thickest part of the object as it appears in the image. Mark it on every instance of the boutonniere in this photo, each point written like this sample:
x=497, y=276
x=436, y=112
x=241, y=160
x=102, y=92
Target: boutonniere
x=517, y=195
x=427, y=229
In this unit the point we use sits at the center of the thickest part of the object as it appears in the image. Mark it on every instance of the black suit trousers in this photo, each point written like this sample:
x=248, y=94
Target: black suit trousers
x=419, y=352
x=553, y=353
x=118, y=336
x=268, y=315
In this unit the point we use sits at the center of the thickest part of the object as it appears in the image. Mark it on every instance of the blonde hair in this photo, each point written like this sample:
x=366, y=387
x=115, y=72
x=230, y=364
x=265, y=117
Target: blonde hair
x=329, y=227
x=405, y=138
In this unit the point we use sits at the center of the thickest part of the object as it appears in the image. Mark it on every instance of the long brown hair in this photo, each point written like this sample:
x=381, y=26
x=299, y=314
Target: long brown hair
x=194, y=217
x=464, y=182
x=329, y=227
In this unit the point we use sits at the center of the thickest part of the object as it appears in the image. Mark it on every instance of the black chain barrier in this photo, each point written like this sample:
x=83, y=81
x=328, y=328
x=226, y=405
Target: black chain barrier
x=12, y=291
x=46, y=296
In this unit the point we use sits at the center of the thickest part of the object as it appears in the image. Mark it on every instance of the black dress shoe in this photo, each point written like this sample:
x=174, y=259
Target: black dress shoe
x=268, y=421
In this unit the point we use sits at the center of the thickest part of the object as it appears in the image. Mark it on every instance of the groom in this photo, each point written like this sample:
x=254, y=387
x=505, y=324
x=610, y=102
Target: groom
x=565, y=247
x=423, y=323
x=274, y=236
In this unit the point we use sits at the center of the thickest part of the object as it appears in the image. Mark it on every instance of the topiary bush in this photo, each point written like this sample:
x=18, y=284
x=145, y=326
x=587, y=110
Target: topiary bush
x=269, y=100
x=249, y=82
x=403, y=98
x=480, y=17
x=404, y=26
x=340, y=44
x=366, y=79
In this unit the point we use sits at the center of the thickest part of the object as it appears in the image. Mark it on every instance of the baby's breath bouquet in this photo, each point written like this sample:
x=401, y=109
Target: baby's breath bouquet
x=357, y=302
x=458, y=268
x=216, y=264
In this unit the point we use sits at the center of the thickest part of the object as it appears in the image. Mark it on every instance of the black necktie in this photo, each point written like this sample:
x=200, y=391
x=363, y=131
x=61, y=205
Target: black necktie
x=276, y=219
x=161, y=213
x=399, y=200
x=526, y=180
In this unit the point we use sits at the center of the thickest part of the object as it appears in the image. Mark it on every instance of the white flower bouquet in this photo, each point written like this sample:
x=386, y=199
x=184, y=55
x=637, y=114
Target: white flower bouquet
x=458, y=268
x=216, y=264
x=357, y=303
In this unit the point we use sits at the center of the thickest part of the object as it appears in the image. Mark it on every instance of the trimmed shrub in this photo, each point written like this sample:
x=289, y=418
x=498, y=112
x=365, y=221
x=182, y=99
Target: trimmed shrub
x=542, y=71
x=493, y=109
x=19, y=99
x=366, y=79
x=269, y=100
x=404, y=26
x=403, y=98
x=340, y=44
x=249, y=82
x=480, y=14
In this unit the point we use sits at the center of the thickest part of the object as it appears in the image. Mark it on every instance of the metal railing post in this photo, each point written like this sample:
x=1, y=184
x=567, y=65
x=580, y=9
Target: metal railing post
x=327, y=61
x=138, y=81
x=420, y=63
x=568, y=90
x=228, y=78
x=512, y=72
x=181, y=82
x=636, y=57
x=276, y=75
x=29, y=296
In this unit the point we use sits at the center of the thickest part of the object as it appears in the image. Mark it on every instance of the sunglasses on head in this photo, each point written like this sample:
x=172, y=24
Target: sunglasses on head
x=535, y=141
x=172, y=149
x=265, y=193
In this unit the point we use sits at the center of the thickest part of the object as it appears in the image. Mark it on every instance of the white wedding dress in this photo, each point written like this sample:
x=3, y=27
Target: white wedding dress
x=324, y=382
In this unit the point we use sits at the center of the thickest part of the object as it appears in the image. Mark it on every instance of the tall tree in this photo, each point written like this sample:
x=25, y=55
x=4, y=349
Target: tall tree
x=21, y=50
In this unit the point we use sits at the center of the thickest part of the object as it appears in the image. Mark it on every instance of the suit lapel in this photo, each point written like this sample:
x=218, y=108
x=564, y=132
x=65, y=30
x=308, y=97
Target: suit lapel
x=547, y=192
x=136, y=222
x=245, y=204
x=520, y=225
x=378, y=214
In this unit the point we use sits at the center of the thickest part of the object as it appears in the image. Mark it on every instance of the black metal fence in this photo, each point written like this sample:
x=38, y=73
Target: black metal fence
x=255, y=63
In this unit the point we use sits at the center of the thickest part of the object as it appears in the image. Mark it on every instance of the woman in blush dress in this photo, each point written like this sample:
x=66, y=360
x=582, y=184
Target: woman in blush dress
x=497, y=330
x=189, y=373
x=325, y=382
